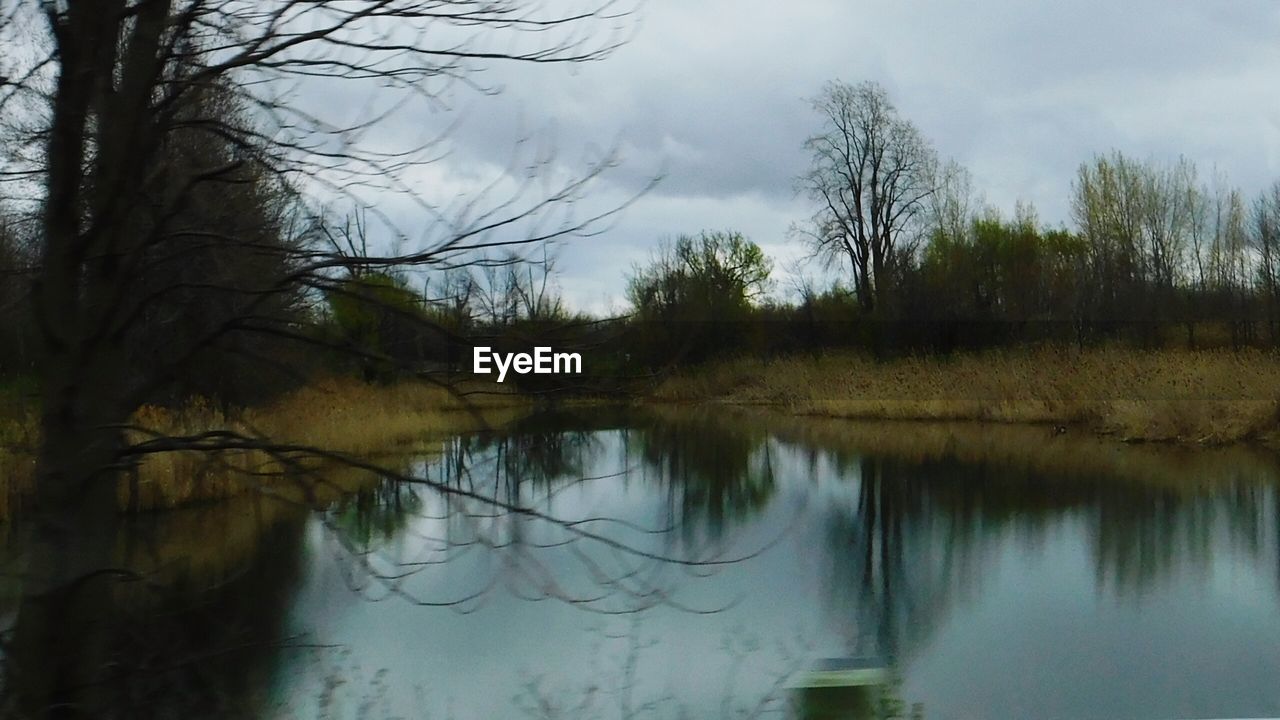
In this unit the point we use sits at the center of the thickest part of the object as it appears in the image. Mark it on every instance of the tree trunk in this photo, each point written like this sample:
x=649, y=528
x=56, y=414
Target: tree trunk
x=59, y=663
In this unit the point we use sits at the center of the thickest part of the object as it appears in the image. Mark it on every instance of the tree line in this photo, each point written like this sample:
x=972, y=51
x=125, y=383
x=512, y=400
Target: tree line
x=1154, y=255
x=1152, y=247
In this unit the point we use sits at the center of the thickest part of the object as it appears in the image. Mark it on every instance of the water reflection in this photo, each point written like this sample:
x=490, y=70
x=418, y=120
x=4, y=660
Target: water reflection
x=990, y=567
x=199, y=626
x=920, y=533
x=714, y=474
x=371, y=516
x=903, y=539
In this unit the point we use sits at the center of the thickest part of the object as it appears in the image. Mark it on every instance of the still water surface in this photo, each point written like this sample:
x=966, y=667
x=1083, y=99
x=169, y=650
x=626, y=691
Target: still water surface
x=999, y=573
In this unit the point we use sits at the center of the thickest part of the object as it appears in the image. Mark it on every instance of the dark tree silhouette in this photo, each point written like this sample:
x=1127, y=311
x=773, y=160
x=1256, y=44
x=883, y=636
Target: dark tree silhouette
x=163, y=147
x=871, y=172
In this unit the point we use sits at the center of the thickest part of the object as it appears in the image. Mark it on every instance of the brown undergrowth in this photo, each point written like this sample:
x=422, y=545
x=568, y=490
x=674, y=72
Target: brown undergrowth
x=373, y=422
x=1207, y=397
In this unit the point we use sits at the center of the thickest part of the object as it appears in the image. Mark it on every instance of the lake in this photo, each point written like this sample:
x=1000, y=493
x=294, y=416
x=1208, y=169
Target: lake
x=694, y=563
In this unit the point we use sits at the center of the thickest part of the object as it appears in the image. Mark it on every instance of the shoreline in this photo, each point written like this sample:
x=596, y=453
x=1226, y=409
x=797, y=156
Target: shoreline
x=1203, y=398
x=1198, y=399
x=1009, y=450
x=1074, y=428
x=336, y=414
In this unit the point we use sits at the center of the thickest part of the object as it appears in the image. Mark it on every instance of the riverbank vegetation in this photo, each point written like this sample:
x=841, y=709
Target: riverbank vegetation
x=1154, y=315
x=1202, y=396
x=341, y=415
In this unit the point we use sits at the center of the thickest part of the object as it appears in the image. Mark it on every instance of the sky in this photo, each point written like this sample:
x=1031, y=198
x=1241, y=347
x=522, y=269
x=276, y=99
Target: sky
x=712, y=97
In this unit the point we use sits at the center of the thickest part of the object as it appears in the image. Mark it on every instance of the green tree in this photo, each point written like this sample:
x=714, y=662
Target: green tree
x=708, y=276
x=1001, y=274
x=693, y=297
x=379, y=317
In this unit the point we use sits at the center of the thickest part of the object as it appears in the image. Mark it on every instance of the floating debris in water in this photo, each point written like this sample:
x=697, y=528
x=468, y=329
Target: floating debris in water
x=843, y=672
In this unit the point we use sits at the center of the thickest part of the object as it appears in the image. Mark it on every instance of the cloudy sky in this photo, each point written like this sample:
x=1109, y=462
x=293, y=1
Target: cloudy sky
x=712, y=95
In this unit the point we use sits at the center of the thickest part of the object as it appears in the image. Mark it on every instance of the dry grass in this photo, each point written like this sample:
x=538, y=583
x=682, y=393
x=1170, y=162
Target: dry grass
x=339, y=415
x=350, y=416
x=1188, y=396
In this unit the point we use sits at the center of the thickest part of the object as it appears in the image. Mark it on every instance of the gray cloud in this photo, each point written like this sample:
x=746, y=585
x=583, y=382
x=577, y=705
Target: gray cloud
x=712, y=95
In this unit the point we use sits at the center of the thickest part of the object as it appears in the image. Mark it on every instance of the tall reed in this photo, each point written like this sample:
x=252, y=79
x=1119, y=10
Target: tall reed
x=1190, y=396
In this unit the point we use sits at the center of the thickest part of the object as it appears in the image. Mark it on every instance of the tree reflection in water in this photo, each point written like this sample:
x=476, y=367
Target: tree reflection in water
x=918, y=533
x=905, y=537
x=715, y=474
x=899, y=540
x=200, y=627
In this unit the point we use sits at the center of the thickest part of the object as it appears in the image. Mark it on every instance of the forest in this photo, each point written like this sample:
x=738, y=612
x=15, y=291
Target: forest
x=911, y=260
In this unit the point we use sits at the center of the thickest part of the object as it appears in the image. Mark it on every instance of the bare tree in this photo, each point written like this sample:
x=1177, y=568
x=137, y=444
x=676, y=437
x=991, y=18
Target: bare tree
x=953, y=204
x=1169, y=220
x=104, y=89
x=870, y=175
x=1139, y=220
x=1230, y=241
x=1106, y=203
x=1265, y=241
x=513, y=288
